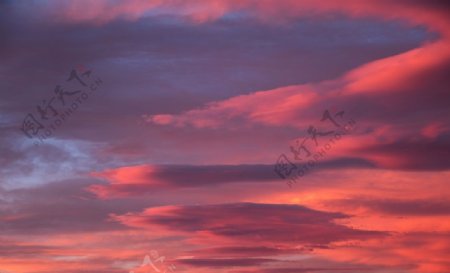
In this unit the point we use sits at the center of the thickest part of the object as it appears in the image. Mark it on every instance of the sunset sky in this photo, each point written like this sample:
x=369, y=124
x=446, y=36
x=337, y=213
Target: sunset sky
x=224, y=136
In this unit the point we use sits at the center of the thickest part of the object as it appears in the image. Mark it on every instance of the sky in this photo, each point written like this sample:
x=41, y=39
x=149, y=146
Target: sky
x=225, y=136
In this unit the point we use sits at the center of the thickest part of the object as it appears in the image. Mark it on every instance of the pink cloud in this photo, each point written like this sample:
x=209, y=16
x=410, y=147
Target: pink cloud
x=431, y=14
x=269, y=107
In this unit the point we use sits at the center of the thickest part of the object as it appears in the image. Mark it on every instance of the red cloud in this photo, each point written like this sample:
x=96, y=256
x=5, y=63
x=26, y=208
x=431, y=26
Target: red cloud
x=287, y=225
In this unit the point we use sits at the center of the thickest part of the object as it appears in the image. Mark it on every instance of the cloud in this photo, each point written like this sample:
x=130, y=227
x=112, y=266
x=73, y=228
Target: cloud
x=141, y=179
x=241, y=262
x=421, y=207
x=257, y=107
x=271, y=223
x=61, y=207
x=226, y=85
x=384, y=83
x=104, y=11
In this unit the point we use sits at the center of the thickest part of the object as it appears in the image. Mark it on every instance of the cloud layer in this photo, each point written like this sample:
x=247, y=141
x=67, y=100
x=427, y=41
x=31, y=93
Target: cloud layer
x=178, y=154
